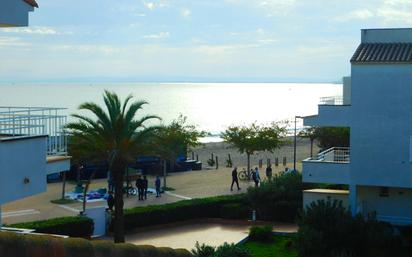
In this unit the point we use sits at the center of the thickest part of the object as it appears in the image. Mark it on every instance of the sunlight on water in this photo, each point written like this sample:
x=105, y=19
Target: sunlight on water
x=212, y=106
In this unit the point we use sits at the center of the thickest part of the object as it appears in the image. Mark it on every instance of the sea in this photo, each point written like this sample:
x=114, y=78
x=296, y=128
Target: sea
x=210, y=106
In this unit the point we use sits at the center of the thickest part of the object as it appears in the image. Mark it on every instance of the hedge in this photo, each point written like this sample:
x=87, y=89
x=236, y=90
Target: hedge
x=78, y=226
x=184, y=210
x=19, y=245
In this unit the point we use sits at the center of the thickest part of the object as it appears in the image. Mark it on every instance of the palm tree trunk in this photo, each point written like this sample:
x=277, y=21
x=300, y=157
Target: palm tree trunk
x=118, y=204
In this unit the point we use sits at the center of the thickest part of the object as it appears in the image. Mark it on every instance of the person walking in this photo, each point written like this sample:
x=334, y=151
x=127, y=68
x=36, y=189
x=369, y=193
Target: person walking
x=139, y=185
x=157, y=186
x=234, y=179
x=269, y=172
x=256, y=176
x=145, y=184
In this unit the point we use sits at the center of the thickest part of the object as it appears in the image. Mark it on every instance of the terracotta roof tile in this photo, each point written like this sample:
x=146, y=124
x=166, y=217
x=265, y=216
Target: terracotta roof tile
x=32, y=3
x=383, y=53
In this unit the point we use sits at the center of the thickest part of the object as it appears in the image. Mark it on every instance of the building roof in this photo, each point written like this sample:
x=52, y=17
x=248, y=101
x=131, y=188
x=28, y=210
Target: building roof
x=32, y=3
x=383, y=53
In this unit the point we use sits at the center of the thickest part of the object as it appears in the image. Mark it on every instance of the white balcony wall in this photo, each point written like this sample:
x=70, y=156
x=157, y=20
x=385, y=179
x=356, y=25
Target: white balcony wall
x=22, y=167
x=330, y=116
x=14, y=13
x=325, y=172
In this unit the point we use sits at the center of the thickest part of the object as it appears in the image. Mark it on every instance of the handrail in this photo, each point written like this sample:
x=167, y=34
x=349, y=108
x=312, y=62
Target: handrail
x=334, y=155
x=334, y=100
x=32, y=121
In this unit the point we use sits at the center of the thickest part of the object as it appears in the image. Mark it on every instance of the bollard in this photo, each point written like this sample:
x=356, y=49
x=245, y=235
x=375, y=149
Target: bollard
x=197, y=157
x=276, y=161
x=217, y=163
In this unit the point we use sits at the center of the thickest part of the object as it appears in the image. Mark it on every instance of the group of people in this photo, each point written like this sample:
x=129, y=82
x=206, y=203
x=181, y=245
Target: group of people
x=142, y=184
x=254, y=173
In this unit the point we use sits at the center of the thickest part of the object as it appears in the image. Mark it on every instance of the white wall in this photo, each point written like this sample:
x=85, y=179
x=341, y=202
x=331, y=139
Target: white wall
x=386, y=35
x=313, y=195
x=347, y=90
x=20, y=159
x=381, y=124
x=14, y=13
x=397, y=203
x=325, y=172
x=330, y=116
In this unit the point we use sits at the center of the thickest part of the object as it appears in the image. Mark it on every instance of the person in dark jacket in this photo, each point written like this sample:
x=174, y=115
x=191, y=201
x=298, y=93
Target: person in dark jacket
x=145, y=185
x=139, y=185
x=110, y=200
x=157, y=185
x=269, y=172
x=234, y=179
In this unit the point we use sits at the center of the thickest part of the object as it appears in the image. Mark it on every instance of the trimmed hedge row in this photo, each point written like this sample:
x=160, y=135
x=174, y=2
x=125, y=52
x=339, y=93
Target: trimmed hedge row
x=78, y=226
x=212, y=207
x=18, y=245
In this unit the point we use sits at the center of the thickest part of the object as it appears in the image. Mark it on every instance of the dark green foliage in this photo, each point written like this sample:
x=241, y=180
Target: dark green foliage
x=202, y=250
x=179, y=211
x=19, y=245
x=261, y=233
x=231, y=250
x=406, y=234
x=279, y=199
x=78, y=247
x=328, y=229
x=332, y=137
x=235, y=211
x=279, y=246
x=71, y=226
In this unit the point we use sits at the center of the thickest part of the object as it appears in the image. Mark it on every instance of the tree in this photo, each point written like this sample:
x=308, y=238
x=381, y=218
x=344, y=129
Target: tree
x=115, y=135
x=311, y=133
x=253, y=138
x=174, y=139
x=332, y=137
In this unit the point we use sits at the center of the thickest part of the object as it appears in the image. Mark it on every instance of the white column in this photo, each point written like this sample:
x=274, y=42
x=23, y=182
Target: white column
x=353, y=199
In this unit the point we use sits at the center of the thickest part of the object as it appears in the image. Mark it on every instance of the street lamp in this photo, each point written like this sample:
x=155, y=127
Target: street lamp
x=294, y=144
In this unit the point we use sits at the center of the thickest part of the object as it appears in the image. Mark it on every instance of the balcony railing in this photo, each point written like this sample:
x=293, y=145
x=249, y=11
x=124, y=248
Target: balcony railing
x=334, y=154
x=31, y=121
x=334, y=100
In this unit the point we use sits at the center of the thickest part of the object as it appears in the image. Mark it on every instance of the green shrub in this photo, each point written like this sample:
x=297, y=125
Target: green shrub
x=78, y=247
x=202, y=250
x=20, y=245
x=179, y=211
x=261, y=233
x=79, y=226
x=103, y=248
x=231, y=250
x=328, y=229
x=279, y=199
x=234, y=211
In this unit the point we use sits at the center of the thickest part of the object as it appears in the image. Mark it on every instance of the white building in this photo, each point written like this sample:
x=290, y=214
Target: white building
x=32, y=140
x=377, y=106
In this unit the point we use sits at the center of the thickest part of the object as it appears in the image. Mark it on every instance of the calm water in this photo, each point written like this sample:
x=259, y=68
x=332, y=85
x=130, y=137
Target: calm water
x=211, y=106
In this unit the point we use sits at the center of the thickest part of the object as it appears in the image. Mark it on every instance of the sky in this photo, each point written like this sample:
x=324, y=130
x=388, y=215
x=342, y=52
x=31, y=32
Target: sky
x=192, y=40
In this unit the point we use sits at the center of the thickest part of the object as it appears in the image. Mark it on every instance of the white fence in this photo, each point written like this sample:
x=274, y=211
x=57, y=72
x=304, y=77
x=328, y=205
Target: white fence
x=334, y=100
x=334, y=154
x=30, y=121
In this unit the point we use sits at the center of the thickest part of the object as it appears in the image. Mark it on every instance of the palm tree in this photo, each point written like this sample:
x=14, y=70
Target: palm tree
x=115, y=135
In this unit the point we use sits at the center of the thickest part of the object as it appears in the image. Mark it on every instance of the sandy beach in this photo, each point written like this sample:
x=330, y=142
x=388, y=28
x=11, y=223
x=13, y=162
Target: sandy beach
x=221, y=150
